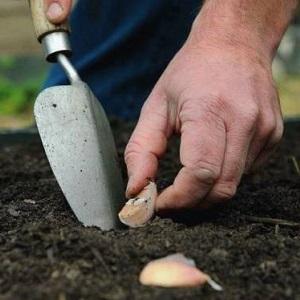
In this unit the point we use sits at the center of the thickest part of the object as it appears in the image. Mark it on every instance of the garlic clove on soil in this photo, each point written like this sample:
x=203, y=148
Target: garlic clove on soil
x=175, y=271
x=140, y=210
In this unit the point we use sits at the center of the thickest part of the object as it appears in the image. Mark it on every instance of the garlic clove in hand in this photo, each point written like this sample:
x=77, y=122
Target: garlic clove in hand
x=140, y=210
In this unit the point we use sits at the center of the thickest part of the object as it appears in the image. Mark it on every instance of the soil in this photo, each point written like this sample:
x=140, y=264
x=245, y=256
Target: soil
x=46, y=254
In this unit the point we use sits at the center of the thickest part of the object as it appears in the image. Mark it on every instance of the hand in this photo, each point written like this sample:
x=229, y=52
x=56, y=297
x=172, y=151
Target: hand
x=222, y=100
x=58, y=10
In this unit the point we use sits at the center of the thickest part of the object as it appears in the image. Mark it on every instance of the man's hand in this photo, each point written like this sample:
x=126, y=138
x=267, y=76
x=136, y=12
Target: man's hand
x=58, y=10
x=218, y=94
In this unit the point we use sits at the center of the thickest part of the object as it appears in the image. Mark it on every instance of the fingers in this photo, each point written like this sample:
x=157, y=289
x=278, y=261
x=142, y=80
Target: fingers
x=57, y=11
x=147, y=143
x=267, y=137
x=239, y=136
x=201, y=153
x=270, y=147
x=264, y=143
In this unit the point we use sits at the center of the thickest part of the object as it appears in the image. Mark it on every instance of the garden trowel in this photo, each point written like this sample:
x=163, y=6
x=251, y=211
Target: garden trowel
x=76, y=134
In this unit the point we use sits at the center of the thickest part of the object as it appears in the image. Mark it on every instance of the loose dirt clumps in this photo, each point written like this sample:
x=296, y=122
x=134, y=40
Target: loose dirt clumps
x=46, y=254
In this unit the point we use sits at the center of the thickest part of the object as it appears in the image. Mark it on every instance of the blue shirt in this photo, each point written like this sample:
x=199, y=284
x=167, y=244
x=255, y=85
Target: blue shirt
x=120, y=48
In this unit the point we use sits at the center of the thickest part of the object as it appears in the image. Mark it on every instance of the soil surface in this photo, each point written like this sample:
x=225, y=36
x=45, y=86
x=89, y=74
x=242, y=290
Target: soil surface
x=46, y=254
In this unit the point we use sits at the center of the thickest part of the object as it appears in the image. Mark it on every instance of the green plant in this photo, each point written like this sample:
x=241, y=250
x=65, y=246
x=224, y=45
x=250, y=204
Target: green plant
x=7, y=62
x=16, y=99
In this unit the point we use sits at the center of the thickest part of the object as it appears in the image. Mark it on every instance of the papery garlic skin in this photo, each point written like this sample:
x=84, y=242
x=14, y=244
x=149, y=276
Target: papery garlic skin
x=140, y=210
x=171, y=274
x=175, y=270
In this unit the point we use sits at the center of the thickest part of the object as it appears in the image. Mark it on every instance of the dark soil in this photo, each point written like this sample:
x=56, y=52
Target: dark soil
x=46, y=254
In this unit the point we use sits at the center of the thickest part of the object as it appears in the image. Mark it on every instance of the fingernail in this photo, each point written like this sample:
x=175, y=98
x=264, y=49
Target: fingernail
x=54, y=11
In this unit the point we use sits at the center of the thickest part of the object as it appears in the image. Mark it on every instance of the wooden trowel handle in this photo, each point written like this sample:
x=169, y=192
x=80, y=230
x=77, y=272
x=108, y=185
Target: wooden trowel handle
x=41, y=24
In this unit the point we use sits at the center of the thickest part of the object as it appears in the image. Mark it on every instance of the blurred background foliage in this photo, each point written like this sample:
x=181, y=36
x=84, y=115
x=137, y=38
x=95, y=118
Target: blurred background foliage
x=23, y=69
x=21, y=78
x=16, y=91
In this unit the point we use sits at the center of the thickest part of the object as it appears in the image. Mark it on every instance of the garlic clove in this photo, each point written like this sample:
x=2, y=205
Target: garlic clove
x=140, y=210
x=175, y=271
x=180, y=258
x=171, y=274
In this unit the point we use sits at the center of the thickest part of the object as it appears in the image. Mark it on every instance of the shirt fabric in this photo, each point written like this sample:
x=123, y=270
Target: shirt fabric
x=120, y=48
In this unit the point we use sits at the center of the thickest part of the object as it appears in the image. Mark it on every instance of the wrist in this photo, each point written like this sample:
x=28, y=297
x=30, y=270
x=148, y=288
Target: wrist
x=246, y=29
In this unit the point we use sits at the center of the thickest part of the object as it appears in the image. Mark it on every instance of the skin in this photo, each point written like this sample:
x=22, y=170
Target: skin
x=60, y=10
x=218, y=94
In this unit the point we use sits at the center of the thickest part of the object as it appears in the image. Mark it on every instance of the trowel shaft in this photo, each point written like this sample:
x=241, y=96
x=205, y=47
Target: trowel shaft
x=68, y=68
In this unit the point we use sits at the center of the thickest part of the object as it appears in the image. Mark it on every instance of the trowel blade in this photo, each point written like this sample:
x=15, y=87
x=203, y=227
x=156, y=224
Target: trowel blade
x=81, y=151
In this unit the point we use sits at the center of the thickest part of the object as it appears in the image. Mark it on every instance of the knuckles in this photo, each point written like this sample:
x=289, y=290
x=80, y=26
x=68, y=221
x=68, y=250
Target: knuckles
x=132, y=149
x=278, y=131
x=246, y=117
x=206, y=173
x=268, y=125
x=271, y=129
x=223, y=192
x=251, y=114
x=222, y=109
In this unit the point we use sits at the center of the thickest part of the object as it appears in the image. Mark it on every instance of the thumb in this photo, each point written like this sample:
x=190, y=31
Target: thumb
x=147, y=143
x=57, y=11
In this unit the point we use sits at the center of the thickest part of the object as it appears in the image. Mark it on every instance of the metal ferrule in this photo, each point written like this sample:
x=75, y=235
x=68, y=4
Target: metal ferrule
x=55, y=43
x=57, y=48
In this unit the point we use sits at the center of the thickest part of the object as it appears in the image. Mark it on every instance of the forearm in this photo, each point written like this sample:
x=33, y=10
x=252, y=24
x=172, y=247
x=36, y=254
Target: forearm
x=254, y=24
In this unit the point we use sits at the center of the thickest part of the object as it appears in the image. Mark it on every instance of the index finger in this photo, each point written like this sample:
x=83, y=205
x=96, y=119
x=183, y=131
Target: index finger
x=201, y=153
